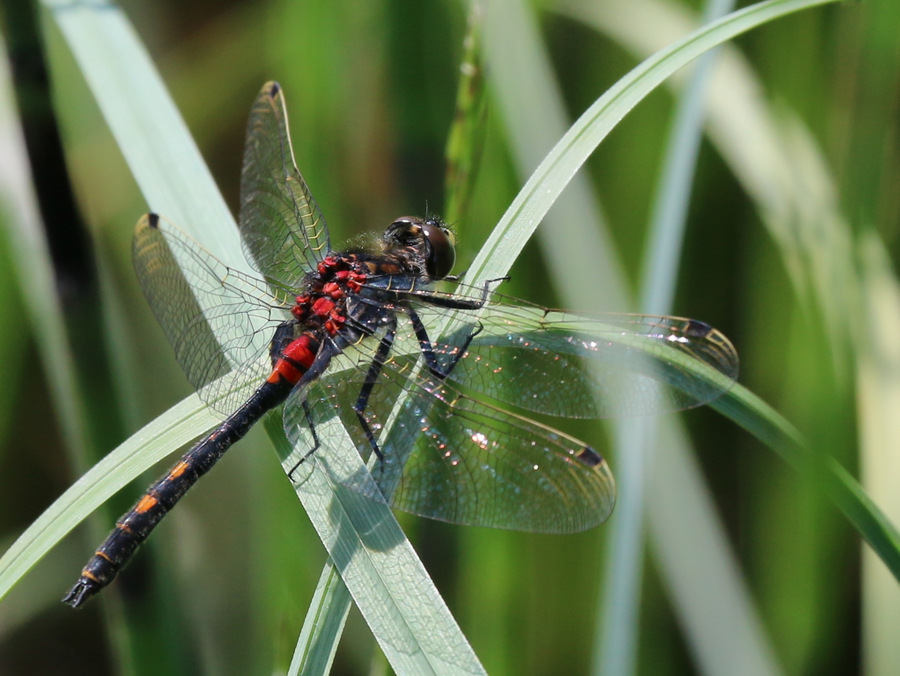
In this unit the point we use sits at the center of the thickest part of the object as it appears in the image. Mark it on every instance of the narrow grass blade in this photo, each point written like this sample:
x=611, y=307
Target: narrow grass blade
x=514, y=109
x=33, y=269
x=559, y=166
x=771, y=176
x=879, y=399
x=406, y=614
x=639, y=463
x=175, y=181
x=466, y=138
x=155, y=441
x=148, y=129
x=323, y=625
x=763, y=422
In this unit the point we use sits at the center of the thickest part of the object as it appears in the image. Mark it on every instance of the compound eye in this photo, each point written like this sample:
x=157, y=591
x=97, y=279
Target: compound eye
x=441, y=253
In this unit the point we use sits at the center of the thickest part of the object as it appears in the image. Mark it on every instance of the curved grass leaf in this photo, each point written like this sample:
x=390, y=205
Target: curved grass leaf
x=559, y=166
x=548, y=180
x=176, y=182
x=171, y=430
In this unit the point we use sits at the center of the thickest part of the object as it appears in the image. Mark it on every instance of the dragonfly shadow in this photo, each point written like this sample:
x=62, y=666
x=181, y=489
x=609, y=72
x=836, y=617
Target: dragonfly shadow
x=356, y=508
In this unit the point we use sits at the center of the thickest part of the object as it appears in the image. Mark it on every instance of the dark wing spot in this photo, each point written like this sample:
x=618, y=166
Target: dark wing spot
x=589, y=457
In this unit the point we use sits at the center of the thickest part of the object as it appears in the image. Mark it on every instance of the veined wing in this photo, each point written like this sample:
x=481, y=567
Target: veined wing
x=284, y=232
x=218, y=320
x=596, y=367
x=576, y=366
x=451, y=457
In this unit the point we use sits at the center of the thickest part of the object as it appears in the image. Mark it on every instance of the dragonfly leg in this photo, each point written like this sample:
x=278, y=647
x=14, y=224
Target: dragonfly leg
x=323, y=359
x=437, y=370
x=315, y=447
x=362, y=402
x=487, y=286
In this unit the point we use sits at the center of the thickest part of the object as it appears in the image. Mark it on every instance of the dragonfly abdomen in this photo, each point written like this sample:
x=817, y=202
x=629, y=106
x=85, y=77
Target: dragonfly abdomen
x=135, y=526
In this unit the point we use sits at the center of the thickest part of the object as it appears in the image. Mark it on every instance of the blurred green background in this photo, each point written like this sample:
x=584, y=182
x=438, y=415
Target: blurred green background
x=791, y=241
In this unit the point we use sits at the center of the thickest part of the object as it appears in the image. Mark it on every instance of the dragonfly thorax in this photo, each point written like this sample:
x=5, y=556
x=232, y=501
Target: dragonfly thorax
x=323, y=305
x=413, y=253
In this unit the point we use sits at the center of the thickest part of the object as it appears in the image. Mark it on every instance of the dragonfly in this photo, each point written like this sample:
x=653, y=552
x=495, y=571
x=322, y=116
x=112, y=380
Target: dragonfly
x=448, y=393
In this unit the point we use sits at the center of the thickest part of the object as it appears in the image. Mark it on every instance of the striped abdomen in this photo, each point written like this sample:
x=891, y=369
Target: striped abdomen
x=134, y=526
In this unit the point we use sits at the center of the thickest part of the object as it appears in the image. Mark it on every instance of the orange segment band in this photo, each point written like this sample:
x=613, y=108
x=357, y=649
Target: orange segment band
x=147, y=503
x=178, y=470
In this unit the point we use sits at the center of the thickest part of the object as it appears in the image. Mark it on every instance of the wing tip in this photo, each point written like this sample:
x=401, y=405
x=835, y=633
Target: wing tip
x=147, y=221
x=590, y=457
x=720, y=353
x=271, y=88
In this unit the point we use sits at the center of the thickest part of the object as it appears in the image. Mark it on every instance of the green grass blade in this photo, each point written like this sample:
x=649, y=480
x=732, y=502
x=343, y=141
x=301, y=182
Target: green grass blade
x=465, y=141
x=776, y=161
x=713, y=603
x=84, y=422
x=323, y=625
x=151, y=135
x=783, y=202
x=33, y=269
x=155, y=441
x=176, y=183
x=879, y=392
x=669, y=217
x=368, y=548
x=763, y=422
x=541, y=94
x=534, y=116
x=30, y=262
x=771, y=153
x=559, y=166
x=638, y=464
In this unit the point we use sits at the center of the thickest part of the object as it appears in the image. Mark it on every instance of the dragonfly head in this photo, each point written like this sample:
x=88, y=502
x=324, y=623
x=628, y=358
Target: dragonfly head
x=427, y=244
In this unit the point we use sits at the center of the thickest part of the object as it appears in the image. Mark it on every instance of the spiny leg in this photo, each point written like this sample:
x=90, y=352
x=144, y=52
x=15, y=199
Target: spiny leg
x=425, y=344
x=307, y=413
x=362, y=402
x=427, y=347
x=317, y=368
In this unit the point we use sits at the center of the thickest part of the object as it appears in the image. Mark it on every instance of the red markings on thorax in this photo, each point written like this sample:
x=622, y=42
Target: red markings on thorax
x=321, y=309
x=324, y=303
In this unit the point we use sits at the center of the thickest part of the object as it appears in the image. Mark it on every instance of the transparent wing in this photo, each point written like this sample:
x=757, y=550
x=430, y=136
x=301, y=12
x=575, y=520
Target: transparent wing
x=284, y=232
x=218, y=320
x=576, y=366
x=605, y=367
x=451, y=451
x=451, y=457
